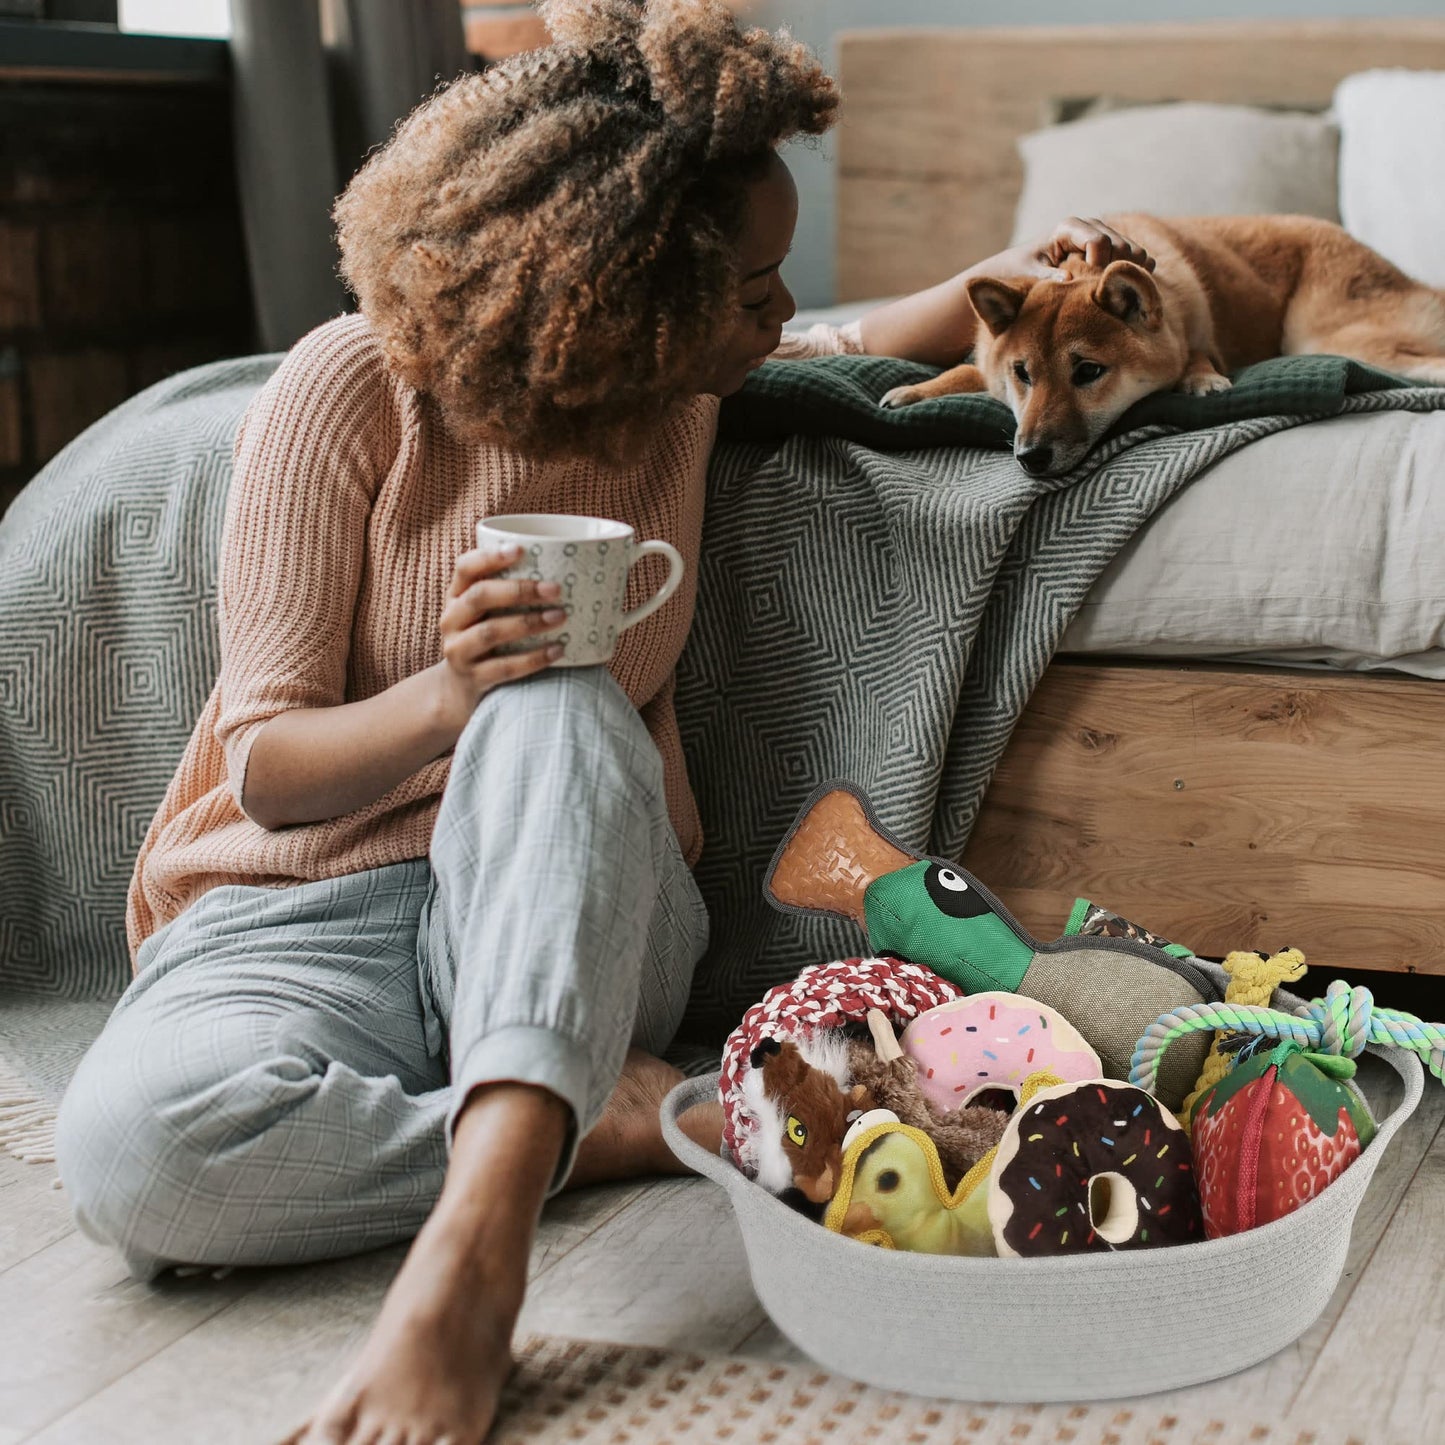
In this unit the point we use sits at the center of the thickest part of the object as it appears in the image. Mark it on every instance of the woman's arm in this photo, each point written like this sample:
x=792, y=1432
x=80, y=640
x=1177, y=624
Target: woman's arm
x=312, y=451
x=308, y=764
x=937, y=326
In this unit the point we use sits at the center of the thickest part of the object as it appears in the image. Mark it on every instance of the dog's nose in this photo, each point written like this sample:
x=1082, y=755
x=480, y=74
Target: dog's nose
x=1035, y=460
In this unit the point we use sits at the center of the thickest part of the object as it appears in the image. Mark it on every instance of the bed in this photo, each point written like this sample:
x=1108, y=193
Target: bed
x=1238, y=743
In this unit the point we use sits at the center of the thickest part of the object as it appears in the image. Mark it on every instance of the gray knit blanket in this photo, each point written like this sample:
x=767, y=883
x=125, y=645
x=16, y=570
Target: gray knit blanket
x=876, y=608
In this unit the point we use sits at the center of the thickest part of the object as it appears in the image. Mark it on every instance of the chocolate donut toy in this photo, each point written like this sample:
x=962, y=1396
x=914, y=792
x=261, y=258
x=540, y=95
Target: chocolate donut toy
x=990, y=1041
x=1092, y=1166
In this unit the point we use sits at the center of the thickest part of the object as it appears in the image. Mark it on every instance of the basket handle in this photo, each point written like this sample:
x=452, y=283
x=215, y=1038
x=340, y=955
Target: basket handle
x=1412, y=1075
x=683, y=1096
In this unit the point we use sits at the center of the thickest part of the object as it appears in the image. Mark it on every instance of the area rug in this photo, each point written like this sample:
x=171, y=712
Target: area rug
x=593, y=1393
x=42, y=1041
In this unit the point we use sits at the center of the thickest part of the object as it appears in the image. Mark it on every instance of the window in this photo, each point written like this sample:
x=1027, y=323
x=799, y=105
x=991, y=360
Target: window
x=211, y=18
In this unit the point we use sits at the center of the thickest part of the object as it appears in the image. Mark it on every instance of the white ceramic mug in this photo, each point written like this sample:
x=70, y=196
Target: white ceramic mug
x=589, y=558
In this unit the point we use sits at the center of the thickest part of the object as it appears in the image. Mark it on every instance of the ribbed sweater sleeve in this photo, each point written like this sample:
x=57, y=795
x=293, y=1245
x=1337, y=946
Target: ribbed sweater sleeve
x=310, y=456
x=820, y=340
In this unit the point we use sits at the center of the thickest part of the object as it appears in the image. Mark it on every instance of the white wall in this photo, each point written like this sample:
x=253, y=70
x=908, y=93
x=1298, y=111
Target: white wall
x=809, y=270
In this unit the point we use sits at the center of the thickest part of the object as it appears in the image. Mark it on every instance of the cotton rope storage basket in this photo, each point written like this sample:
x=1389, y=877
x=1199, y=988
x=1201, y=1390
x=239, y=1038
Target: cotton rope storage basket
x=1057, y=1328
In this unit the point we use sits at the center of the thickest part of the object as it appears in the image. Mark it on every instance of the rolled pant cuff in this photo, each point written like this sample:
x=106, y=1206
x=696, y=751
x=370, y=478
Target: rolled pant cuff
x=526, y=1054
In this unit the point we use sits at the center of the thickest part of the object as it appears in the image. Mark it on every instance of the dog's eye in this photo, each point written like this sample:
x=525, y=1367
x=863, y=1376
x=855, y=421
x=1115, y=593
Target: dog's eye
x=1087, y=371
x=1022, y=372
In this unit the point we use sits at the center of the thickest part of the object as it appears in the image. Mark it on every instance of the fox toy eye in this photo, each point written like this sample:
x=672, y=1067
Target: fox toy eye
x=1022, y=372
x=1087, y=371
x=797, y=1131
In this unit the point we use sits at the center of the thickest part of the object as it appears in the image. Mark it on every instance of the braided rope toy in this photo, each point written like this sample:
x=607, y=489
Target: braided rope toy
x=1341, y=1023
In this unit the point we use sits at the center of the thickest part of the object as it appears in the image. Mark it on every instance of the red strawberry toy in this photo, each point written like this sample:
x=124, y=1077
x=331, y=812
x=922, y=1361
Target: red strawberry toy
x=1272, y=1133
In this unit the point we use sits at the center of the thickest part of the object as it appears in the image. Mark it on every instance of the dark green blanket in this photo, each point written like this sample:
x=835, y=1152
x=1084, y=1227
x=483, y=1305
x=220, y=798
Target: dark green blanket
x=838, y=396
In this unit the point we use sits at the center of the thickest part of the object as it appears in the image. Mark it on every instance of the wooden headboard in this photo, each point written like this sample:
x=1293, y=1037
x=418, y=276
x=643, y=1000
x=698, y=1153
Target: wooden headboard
x=928, y=174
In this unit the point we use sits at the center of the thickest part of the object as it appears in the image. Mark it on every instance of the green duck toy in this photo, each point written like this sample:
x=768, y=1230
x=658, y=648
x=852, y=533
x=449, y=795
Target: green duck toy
x=837, y=859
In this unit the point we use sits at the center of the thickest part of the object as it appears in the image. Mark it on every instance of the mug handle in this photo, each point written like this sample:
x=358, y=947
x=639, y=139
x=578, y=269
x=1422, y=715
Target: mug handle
x=674, y=577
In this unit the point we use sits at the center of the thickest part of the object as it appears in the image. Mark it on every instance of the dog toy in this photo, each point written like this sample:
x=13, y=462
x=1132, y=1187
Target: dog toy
x=992, y=1041
x=1085, y=1167
x=1282, y=1124
x=837, y=859
x=803, y=1095
x=1253, y=978
x=1278, y=1128
x=1342, y=1022
x=893, y=1194
x=1091, y=920
x=821, y=998
x=962, y=1135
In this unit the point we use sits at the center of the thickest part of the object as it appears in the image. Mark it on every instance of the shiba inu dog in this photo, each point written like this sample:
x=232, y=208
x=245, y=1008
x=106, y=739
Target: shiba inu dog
x=1070, y=355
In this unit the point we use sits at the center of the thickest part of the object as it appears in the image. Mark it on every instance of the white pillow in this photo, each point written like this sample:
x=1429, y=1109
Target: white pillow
x=1392, y=166
x=1186, y=158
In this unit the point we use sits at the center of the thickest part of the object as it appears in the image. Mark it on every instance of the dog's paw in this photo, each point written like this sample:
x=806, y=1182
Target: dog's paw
x=1204, y=383
x=900, y=396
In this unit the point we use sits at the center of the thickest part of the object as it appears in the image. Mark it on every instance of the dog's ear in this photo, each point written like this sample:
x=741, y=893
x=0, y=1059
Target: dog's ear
x=1128, y=292
x=998, y=303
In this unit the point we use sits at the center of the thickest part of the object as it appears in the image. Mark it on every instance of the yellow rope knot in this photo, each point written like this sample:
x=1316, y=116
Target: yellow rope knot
x=1253, y=979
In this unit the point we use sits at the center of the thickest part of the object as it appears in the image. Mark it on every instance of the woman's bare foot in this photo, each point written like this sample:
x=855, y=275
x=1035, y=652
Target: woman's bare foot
x=431, y=1371
x=627, y=1142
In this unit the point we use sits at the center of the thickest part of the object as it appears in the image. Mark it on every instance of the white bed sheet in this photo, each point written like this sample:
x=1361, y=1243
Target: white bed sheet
x=1321, y=546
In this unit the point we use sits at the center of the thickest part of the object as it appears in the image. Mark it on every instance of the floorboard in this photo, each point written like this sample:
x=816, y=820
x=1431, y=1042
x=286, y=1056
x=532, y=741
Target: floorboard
x=294, y=1330
x=668, y=1270
x=249, y=1373
x=73, y=1322
x=1381, y=1370
x=34, y=1214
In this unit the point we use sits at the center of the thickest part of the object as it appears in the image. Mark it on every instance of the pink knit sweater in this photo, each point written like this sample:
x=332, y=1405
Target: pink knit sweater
x=350, y=504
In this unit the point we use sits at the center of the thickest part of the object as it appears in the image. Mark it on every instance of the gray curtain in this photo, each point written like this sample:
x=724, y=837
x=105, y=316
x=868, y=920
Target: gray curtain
x=318, y=83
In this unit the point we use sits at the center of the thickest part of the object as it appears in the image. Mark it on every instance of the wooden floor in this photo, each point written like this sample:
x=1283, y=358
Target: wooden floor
x=89, y=1357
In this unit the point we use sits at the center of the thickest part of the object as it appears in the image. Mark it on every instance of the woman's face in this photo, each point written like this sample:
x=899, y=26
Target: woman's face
x=764, y=304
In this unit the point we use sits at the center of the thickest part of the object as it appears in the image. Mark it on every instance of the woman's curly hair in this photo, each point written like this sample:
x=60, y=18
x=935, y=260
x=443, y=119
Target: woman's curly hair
x=549, y=248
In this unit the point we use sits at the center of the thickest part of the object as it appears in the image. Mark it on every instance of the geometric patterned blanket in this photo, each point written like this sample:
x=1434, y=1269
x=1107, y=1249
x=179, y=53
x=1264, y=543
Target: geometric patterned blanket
x=864, y=611
x=108, y=649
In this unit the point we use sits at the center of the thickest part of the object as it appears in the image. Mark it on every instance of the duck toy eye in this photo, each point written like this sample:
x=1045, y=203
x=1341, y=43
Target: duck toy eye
x=952, y=894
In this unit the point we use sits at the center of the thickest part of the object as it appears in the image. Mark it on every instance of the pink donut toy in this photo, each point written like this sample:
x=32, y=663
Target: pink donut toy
x=993, y=1041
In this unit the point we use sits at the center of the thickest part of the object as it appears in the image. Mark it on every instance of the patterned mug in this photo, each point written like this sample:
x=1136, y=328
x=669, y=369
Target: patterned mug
x=590, y=558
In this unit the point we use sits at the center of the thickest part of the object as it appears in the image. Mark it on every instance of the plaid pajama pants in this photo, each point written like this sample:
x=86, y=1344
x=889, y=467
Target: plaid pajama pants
x=279, y=1082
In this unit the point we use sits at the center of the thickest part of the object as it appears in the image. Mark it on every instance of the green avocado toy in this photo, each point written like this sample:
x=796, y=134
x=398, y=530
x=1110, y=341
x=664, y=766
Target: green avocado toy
x=837, y=859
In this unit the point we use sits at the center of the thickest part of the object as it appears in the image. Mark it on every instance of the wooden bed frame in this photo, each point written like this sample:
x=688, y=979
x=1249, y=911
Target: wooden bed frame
x=1222, y=806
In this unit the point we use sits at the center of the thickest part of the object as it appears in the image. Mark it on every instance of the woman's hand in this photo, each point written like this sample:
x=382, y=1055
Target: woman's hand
x=937, y=326
x=1098, y=243
x=479, y=617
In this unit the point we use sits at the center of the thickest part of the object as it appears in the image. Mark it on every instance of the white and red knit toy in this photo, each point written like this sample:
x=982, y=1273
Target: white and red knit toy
x=824, y=996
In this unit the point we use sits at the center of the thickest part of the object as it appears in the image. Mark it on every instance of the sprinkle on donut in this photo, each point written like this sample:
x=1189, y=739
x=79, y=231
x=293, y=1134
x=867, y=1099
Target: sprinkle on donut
x=993, y=1040
x=1092, y=1166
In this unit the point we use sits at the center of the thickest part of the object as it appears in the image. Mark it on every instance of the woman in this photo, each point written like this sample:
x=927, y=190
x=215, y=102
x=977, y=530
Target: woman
x=398, y=918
